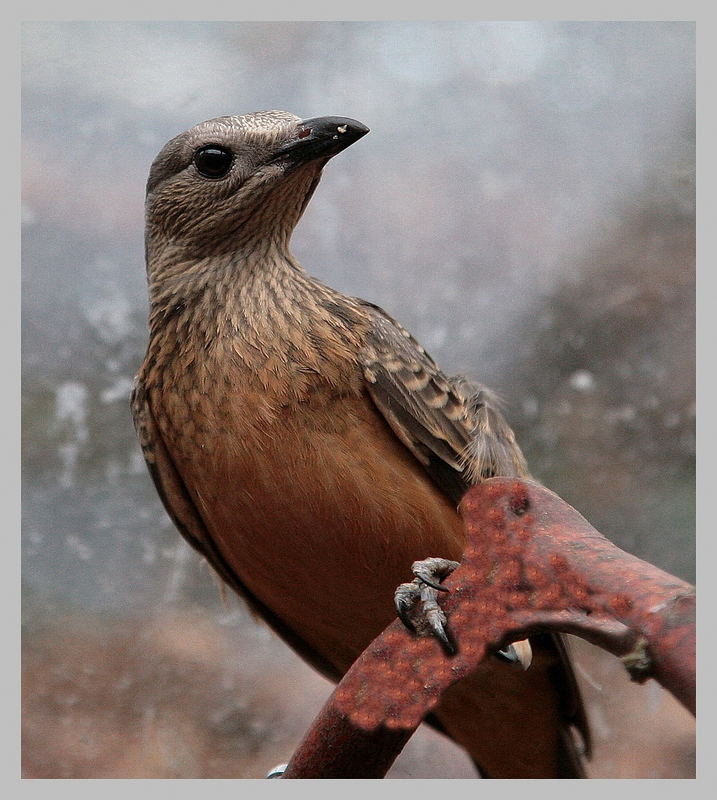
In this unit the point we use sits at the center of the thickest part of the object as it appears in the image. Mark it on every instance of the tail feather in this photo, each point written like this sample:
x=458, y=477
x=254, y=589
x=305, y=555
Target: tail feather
x=492, y=449
x=514, y=724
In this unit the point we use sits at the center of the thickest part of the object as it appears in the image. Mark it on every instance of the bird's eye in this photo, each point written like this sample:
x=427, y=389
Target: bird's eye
x=213, y=161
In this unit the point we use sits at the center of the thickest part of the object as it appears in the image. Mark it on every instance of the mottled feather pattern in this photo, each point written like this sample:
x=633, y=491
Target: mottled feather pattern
x=453, y=419
x=139, y=416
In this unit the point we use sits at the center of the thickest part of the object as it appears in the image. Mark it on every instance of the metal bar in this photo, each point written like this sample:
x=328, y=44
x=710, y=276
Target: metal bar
x=532, y=563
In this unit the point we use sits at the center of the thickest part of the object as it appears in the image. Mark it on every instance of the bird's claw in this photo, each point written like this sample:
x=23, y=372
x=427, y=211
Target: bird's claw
x=417, y=602
x=277, y=771
x=417, y=607
x=518, y=654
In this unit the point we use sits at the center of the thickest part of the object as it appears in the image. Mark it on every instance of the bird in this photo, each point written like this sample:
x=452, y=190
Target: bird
x=305, y=444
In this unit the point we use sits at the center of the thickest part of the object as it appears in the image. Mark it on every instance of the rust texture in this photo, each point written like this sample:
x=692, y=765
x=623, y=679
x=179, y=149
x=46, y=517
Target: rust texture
x=334, y=747
x=532, y=563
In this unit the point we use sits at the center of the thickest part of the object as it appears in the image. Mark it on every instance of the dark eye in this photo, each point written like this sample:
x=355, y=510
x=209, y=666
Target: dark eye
x=213, y=161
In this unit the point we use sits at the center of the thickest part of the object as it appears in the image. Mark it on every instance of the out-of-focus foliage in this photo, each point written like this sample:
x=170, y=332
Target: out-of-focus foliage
x=524, y=204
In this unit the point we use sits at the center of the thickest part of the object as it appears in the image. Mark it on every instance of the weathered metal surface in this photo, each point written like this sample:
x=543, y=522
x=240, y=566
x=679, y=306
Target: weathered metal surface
x=335, y=747
x=532, y=563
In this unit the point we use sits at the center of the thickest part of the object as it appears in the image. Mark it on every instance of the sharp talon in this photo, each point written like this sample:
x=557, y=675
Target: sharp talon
x=406, y=620
x=433, y=585
x=440, y=633
x=404, y=600
x=518, y=654
x=277, y=771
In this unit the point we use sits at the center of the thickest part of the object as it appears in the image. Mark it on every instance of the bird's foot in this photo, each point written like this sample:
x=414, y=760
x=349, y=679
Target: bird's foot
x=417, y=607
x=417, y=602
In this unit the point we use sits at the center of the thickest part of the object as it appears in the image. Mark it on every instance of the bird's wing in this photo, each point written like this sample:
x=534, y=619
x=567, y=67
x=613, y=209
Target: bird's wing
x=451, y=425
x=188, y=520
x=455, y=430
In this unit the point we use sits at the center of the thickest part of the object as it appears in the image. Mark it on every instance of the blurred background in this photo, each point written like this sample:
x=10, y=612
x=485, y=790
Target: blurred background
x=524, y=204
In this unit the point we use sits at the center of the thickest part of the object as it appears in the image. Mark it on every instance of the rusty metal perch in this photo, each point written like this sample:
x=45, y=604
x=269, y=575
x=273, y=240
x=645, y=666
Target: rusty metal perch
x=532, y=563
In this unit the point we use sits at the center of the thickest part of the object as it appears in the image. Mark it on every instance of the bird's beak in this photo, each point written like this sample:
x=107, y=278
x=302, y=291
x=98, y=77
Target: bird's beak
x=320, y=137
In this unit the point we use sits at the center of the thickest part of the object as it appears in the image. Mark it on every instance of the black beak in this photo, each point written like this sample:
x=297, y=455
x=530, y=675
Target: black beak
x=320, y=137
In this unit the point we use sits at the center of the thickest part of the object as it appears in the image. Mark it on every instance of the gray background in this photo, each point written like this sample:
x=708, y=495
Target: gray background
x=524, y=204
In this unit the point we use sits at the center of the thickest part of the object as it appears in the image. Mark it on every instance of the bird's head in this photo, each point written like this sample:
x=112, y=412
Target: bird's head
x=239, y=181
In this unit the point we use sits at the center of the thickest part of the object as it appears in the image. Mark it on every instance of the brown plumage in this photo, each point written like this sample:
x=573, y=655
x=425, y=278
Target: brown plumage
x=293, y=432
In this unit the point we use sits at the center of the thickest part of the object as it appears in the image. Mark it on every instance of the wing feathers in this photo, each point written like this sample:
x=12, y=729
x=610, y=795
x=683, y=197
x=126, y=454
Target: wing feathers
x=436, y=417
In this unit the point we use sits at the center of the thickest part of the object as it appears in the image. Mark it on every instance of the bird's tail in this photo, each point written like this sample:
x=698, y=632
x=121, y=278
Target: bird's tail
x=492, y=449
x=515, y=723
